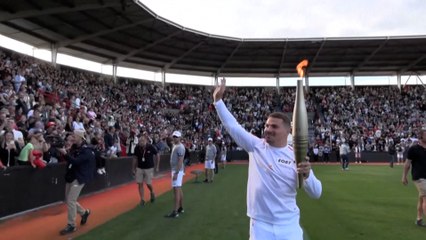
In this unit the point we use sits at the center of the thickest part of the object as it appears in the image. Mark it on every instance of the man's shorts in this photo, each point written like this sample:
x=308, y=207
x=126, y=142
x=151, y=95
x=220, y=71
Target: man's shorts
x=209, y=164
x=421, y=187
x=178, y=181
x=223, y=158
x=144, y=175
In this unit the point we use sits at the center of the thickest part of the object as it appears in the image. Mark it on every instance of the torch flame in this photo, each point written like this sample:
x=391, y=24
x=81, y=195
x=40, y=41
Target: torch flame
x=301, y=67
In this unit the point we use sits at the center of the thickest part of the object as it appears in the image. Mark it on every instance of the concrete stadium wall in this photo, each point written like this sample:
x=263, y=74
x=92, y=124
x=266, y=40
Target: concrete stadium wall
x=24, y=188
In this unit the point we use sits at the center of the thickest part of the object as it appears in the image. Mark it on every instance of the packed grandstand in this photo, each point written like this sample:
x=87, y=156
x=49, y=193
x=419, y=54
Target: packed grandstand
x=37, y=96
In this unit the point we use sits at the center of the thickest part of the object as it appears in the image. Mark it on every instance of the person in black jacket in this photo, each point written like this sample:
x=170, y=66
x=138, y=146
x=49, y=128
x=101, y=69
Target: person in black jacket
x=81, y=164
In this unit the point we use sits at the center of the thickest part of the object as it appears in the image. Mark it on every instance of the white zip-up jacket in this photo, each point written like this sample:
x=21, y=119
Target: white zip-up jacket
x=272, y=177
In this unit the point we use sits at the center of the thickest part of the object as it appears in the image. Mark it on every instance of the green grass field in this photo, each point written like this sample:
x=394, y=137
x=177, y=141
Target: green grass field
x=367, y=202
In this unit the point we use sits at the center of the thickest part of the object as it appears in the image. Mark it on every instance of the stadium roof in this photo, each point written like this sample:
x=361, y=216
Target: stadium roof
x=129, y=34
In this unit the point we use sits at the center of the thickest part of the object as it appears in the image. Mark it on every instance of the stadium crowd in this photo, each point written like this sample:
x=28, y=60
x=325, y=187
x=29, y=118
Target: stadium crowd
x=40, y=104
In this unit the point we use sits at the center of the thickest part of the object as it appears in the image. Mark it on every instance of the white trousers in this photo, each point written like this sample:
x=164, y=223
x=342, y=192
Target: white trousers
x=266, y=231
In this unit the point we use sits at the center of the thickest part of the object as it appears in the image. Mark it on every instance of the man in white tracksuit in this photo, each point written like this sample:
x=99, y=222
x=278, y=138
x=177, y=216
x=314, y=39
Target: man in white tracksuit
x=272, y=180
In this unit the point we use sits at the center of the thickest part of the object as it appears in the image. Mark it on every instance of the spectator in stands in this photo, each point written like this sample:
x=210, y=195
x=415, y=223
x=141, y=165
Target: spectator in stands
x=77, y=123
x=17, y=135
x=177, y=172
x=98, y=144
x=9, y=149
x=146, y=157
x=81, y=164
x=416, y=161
x=32, y=152
x=131, y=143
x=109, y=141
x=272, y=170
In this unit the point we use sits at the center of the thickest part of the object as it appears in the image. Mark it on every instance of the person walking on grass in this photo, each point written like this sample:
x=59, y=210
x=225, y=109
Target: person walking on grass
x=143, y=167
x=416, y=160
x=399, y=153
x=272, y=175
x=209, y=162
x=344, y=151
x=392, y=153
x=176, y=165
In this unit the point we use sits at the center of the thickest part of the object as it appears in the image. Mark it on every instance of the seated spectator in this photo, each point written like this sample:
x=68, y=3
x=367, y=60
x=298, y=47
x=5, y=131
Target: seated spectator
x=9, y=149
x=32, y=152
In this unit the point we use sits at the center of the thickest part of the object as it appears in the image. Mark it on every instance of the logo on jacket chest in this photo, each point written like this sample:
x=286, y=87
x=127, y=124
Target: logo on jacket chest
x=285, y=161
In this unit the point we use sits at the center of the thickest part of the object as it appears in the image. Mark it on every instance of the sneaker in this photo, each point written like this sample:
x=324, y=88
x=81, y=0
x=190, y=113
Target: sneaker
x=84, y=217
x=206, y=181
x=180, y=210
x=173, y=214
x=68, y=229
x=152, y=197
x=103, y=170
x=420, y=223
x=142, y=203
x=99, y=171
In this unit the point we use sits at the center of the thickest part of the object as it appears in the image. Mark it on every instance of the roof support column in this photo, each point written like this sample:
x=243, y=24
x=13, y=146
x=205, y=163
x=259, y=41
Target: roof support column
x=306, y=83
x=216, y=80
x=114, y=72
x=352, y=77
x=277, y=84
x=398, y=81
x=163, y=77
x=54, y=52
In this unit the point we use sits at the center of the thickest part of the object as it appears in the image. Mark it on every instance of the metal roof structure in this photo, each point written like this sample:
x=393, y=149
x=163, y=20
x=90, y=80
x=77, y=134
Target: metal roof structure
x=127, y=33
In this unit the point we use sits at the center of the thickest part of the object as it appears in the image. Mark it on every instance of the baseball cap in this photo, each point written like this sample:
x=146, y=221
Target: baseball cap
x=210, y=139
x=177, y=134
x=80, y=133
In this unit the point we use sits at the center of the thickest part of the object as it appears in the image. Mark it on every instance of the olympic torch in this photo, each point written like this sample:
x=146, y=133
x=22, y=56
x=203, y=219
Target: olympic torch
x=300, y=121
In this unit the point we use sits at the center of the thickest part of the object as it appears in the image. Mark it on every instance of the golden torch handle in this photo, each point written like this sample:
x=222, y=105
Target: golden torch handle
x=300, y=122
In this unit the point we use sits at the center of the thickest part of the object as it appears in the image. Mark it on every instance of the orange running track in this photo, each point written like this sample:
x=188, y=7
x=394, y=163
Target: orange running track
x=45, y=223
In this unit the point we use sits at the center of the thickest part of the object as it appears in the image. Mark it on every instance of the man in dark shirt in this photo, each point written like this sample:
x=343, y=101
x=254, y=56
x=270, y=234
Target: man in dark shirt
x=143, y=166
x=416, y=157
x=109, y=139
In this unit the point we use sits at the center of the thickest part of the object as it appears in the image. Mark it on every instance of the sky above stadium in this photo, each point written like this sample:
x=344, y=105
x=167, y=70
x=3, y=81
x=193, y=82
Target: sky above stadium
x=296, y=19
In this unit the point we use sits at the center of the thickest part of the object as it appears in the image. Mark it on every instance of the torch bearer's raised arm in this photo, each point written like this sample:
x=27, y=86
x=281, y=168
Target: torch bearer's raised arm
x=300, y=121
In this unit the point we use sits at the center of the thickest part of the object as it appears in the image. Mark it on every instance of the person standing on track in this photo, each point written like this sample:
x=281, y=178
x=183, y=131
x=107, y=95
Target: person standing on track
x=81, y=165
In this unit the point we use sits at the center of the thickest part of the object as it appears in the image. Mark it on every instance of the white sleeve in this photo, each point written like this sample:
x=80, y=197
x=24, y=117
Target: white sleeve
x=243, y=138
x=312, y=186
